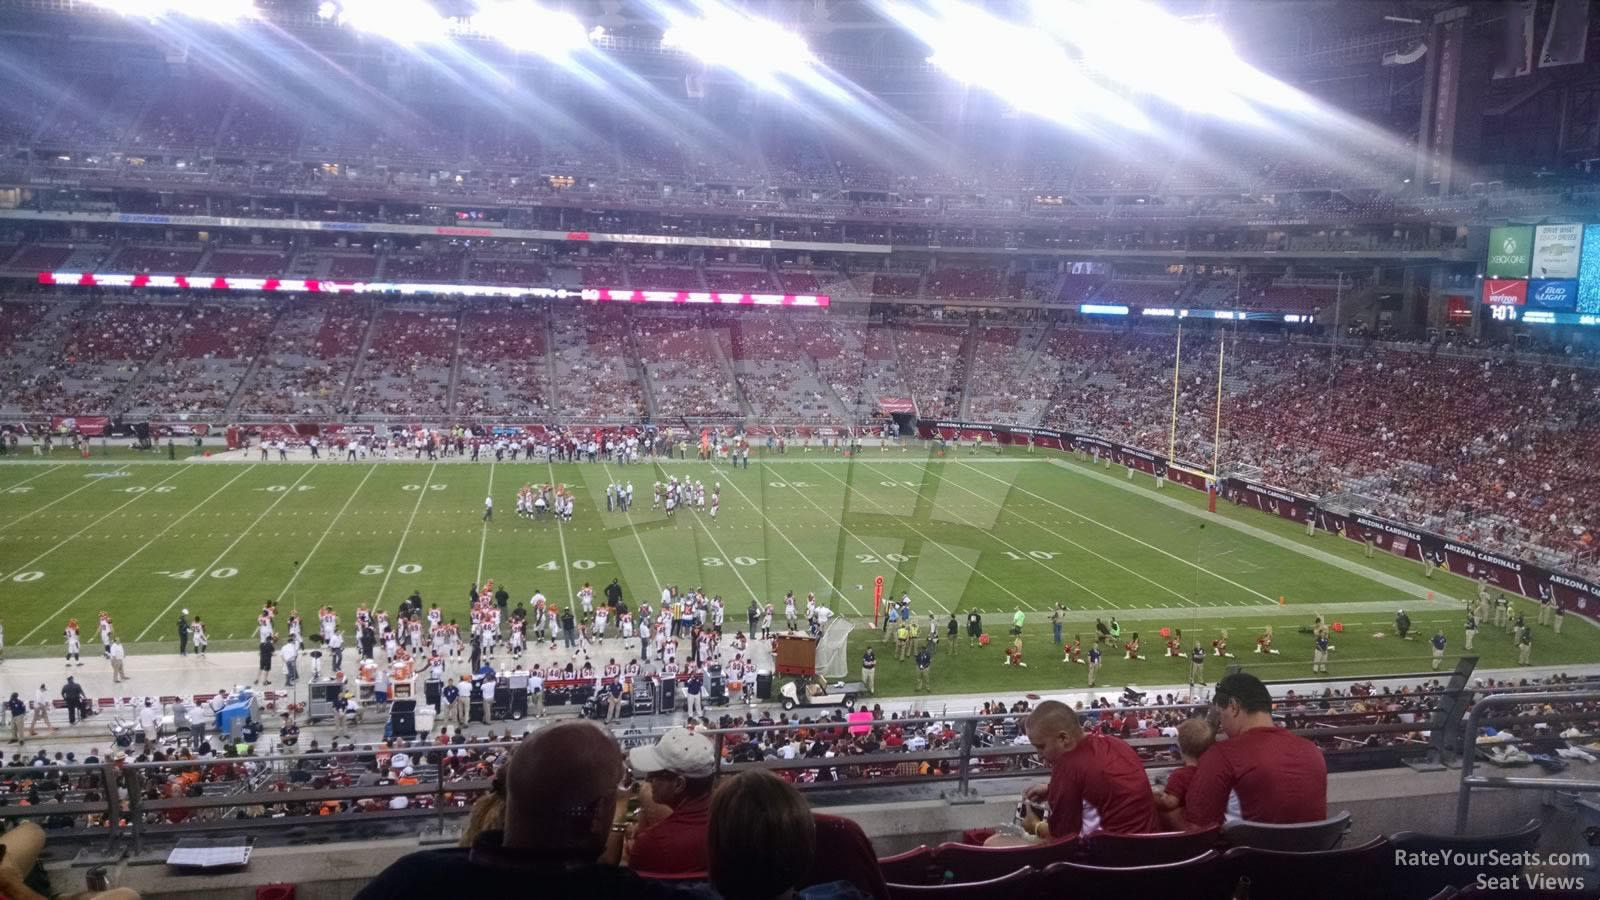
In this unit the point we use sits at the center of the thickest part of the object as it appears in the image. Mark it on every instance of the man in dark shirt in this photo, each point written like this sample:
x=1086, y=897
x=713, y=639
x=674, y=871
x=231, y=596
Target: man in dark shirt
x=561, y=797
x=1097, y=782
x=1277, y=777
x=674, y=803
x=613, y=593
x=72, y=696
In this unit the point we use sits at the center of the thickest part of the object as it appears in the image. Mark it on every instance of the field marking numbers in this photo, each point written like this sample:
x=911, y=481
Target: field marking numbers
x=378, y=603
x=68, y=539
x=868, y=559
x=125, y=560
x=90, y=484
x=441, y=485
x=325, y=532
x=224, y=554
x=837, y=589
x=1124, y=534
x=931, y=542
x=483, y=540
x=1059, y=536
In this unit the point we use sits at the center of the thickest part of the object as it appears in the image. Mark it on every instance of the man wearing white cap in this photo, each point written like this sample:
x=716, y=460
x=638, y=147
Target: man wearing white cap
x=674, y=803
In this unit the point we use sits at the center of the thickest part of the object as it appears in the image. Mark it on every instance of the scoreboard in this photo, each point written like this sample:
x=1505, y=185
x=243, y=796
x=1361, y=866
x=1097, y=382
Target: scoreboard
x=1544, y=274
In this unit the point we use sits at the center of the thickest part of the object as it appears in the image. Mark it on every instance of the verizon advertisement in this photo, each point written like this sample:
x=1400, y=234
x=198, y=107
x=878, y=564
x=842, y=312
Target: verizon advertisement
x=1505, y=292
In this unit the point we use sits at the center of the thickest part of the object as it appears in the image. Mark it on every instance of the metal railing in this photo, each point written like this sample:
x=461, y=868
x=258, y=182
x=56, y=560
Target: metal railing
x=1475, y=720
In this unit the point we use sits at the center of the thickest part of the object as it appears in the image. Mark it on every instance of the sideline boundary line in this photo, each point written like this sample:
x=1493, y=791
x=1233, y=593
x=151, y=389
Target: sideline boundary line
x=224, y=554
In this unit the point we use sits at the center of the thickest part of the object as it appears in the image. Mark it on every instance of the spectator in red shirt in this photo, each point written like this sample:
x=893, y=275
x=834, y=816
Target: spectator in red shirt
x=1195, y=737
x=1272, y=775
x=1096, y=781
x=674, y=804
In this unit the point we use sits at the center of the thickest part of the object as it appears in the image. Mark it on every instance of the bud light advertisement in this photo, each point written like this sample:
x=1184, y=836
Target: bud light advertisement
x=1553, y=294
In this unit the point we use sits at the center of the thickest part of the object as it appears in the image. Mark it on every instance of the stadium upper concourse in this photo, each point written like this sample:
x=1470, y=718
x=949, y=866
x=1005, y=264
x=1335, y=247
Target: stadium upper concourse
x=1342, y=257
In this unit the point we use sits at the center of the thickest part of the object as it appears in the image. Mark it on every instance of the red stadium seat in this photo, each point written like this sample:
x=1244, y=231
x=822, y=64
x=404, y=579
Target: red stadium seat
x=1301, y=837
x=1364, y=871
x=1200, y=878
x=910, y=867
x=1419, y=881
x=969, y=862
x=1015, y=884
x=1102, y=849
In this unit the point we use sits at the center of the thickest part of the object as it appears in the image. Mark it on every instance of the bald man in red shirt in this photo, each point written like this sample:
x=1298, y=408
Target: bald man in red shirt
x=1097, y=782
x=1261, y=773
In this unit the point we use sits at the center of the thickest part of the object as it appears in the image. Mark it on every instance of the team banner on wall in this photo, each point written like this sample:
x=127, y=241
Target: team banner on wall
x=1505, y=291
x=1510, y=251
x=93, y=426
x=1557, y=295
x=1555, y=250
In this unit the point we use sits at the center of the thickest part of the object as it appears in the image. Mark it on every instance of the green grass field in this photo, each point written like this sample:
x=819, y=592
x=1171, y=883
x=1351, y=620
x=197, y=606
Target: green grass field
x=143, y=539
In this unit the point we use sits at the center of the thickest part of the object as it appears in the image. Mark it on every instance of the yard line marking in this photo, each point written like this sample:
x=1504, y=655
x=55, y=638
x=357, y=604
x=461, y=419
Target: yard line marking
x=40, y=475
x=627, y=515
x=325, y=532
x=81, y=594
x=1058, y=573
x=839, y=589
x=1130, y=537
x=720, y=552
x=931, y=541
x=89, y=484
x=224, y=554
x=840, y=523
x=389, y=572
x=484, y=540
x=561, y=534
x=68, y=539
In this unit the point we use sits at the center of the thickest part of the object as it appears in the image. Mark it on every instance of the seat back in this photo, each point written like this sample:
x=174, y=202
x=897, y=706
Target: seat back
x=1300, y=837
x=970, y=862
x=915, y=866
x=1104, y=849
x=1364, y=871
x=1423, y=881
x=844, y=853
x=1200, y=878
x=1014, y=884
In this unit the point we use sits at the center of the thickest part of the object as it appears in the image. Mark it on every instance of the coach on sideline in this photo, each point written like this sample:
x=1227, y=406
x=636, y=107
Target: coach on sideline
x=1279, y=778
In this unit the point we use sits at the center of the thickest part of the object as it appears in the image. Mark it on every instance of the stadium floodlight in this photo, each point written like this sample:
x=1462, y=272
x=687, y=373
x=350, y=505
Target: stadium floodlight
x=406, y=22
x=207, y=10
x=755, y=48
x=529, y=27
x=327, y=10
x=1027, y=67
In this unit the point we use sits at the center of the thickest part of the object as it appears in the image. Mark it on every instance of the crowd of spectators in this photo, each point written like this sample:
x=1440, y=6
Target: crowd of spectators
x=407, y=367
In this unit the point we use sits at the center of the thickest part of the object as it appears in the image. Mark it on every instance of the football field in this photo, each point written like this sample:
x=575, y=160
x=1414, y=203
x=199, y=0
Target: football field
x=145, y=538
